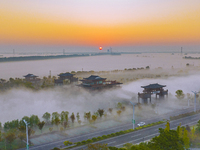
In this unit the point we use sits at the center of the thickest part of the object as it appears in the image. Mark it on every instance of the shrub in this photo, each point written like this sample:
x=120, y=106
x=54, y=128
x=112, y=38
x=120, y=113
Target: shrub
x=104, y=136
x=113, y=134
x=78, y=143
x=83, y=142
x=94, y=139
x=56, y=148
x=89, y=141
x=109, y=135
x=130, y=130
x=121, y=132
x=99, y=138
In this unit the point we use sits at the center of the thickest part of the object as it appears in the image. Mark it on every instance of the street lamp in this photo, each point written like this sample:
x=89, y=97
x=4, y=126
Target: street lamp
x=195, y=94
x=27, y=146
x=133, y=120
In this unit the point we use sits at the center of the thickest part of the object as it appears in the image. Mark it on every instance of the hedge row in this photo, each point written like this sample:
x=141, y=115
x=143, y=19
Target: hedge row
x=99, y=138
x=184, y=115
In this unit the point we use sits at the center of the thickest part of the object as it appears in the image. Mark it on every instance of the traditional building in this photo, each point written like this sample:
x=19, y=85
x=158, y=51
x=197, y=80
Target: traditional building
x=32, y=78
x=96, y=82
x=65, y=76
x=152, y=89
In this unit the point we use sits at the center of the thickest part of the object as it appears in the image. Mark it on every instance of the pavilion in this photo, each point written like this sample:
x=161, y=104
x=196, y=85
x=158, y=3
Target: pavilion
x=32, y=78
x=96, y=82
x=152, y=89
x=65, y=76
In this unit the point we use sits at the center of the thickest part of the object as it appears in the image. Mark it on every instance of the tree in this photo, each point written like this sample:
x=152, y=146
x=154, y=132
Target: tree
x=50, y=129
x=22, y=136
x=56, y=121
x=119, y=112
x=87, y=115
x=41, y=125
x=46, y=117
x=22, y=128
x=101, y=112
x=72, y=117
x=0, y=136
x=64, y=116
x=167, y=126
x=167, y=140
x=10, y=136
x=77, y=116
x=94, y=118
x=97, y=146
x=30, y=132
x=180, y=94
x=141, y=146
x=110, y=110
x=197, y=130
x=34, y=120
x=186, y=139
x=193, y=135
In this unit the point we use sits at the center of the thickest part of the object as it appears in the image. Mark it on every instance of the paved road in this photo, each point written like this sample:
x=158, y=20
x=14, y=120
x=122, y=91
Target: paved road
x=145, y=134
x=126, y=126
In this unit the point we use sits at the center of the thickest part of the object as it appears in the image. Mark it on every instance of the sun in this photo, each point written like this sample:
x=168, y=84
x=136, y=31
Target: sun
x=100, y=48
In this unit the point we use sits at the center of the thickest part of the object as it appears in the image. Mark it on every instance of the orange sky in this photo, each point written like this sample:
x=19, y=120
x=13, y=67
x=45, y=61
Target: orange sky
x=31, y=27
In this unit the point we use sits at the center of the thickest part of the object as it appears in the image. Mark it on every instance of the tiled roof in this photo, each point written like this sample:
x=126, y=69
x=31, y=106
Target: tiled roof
x=93, y=77
x=65, y=74
x=30, y=75
x=153, y=86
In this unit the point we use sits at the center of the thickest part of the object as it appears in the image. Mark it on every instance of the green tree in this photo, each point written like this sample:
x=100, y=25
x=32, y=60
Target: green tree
x=193, y=135
x=167, y=126
x=41, y=125
x=72, y=117
x=34, y=120
x=77, y=116
x=197, y=130
x=94, y=118
x=21, y=136
x=101, y=112
x=97, y=146
x=186, y=139
x=46, y=116
x=87, y=115
x=141, y=146
x=119, y=112
x=10, y=136
x=180, y=94
x=167, y=140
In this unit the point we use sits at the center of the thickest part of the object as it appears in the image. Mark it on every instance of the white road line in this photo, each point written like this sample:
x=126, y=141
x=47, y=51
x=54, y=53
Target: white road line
x=111, y=142
x=135, y=135
x=150, y=135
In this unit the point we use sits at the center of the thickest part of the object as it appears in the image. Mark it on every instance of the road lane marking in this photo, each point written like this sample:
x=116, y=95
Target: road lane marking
x=135, y=135
x=105, y=130
x=150, y=135
x=111, y=142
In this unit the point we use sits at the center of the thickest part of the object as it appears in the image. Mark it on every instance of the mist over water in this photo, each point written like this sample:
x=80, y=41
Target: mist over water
x=97, y=63
x=16, y=103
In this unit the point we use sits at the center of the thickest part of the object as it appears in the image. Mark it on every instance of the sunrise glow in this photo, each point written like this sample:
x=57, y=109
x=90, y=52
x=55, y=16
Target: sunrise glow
x=74, y=23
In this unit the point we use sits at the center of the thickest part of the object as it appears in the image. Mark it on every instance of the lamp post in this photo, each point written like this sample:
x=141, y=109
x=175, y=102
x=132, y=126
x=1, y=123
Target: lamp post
x=27, y=146
x=195, y=94
x=133, y=120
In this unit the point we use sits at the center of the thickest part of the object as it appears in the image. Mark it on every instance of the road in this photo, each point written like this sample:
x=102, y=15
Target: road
x=137, y=138
x=145, y=134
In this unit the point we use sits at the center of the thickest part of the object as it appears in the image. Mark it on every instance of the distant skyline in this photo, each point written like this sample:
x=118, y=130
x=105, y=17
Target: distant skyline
x=99, y=22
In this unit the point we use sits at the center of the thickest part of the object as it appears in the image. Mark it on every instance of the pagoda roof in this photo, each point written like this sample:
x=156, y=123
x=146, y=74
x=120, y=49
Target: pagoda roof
x=30, y=75
x=153, y=86
x=66, y=75
x=93, y=77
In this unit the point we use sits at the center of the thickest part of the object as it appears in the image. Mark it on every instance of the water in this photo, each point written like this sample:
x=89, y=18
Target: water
x=97, y=63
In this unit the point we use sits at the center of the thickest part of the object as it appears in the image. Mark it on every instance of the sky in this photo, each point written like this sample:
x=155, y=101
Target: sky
x=99, y=22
